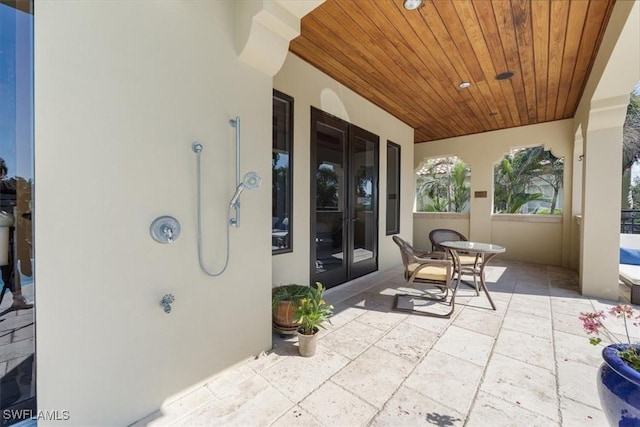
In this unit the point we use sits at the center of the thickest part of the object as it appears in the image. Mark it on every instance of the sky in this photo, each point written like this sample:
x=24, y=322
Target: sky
x=16, y=91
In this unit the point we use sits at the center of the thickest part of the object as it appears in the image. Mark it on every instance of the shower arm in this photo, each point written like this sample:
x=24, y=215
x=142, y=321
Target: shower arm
x=236, y=124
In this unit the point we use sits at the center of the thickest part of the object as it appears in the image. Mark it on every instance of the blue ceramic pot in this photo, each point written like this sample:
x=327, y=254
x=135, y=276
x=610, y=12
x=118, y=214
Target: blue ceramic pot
x=619, y=389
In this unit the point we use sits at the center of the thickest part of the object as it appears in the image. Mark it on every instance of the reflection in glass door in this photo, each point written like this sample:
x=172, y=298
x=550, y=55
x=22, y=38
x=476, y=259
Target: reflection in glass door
x=344, y=200
x=364, y=206
x=17, y=345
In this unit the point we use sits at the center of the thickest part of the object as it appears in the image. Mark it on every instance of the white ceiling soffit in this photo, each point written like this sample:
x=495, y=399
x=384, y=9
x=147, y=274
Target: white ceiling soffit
x=265, y=28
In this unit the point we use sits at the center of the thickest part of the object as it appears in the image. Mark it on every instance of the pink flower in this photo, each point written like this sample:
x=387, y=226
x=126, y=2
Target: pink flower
x=591, y=321
x=622, y=310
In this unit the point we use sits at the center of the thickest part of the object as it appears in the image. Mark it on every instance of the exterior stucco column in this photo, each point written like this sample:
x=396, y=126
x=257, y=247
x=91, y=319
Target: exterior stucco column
x=481, y=208
x=600, y=233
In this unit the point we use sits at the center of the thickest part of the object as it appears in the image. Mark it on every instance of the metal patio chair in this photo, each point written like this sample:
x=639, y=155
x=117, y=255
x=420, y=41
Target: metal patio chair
x=430, y=272
x=469, y=264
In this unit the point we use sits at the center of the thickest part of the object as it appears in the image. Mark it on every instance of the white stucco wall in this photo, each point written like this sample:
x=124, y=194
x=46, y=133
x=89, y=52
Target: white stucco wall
x=481, y=152
x=121, y=91
x=424, y=222
x=310, y=87
x=599, y=119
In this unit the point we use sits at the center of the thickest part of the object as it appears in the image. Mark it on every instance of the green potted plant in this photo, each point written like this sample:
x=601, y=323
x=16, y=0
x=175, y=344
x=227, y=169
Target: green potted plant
x=312, y=313
x=284, y=302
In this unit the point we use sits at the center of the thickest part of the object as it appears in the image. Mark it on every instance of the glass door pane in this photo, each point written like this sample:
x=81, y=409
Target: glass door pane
x=330, y=202
x=17, y=344
x=364, y=208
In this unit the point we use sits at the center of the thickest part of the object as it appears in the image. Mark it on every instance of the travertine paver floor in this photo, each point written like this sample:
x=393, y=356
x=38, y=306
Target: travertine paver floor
x=526, y=364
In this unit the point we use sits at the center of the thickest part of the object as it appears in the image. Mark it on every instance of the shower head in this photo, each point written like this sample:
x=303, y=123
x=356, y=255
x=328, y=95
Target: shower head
x=250, y=181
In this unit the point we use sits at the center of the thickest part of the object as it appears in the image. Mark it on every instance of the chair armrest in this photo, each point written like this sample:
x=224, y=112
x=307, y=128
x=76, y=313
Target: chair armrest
x=433, y=261
x=430, y=255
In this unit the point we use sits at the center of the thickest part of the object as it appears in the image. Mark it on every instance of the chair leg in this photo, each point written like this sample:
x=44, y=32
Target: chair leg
x=475, y=283
x=445, y=290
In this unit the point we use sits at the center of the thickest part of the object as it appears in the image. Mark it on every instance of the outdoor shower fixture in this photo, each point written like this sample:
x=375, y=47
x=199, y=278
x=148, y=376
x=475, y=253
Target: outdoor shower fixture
x=251, y=181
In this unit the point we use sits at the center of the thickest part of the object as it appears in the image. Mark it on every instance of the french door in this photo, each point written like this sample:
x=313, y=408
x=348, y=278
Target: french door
x=344, y=200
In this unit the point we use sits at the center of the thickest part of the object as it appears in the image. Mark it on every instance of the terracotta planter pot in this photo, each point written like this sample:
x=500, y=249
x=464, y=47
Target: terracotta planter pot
x=283, y=316
x=307, y=343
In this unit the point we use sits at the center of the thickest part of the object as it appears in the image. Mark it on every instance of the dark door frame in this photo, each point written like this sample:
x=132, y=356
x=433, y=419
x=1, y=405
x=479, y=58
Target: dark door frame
x=350, y=270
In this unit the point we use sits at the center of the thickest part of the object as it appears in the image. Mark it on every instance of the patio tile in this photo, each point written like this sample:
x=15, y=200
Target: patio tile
x=17, y=349
x=577, y=381
x=568, y=323
x=344, y=313
x=255, y=403
x=332, y=405
x=462, y=343
x=298, y=417
x=448, y=380
x=481, y=302
x=526, y=348
x=23, y=333
x=576, y=348
x=502, y=413
x=576, y=414
x=172, y=412
x=297, y=376
x=281, y=349
x=530, y=289
x=368, y=300
x=407, y=341
x=522, y=384
x=11, y=321
x=572, y=306
x=375, y=369
x=226, y=382
x=410, y=408
x=531, y=304
x=478, y=320
x=383, y=320
x=433, y=324
x=351, y=339
x=528, y=323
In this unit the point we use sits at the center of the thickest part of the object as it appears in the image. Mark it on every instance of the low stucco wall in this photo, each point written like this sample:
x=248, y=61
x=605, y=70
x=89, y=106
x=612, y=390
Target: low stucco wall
x=531, y=238
x=424, y=222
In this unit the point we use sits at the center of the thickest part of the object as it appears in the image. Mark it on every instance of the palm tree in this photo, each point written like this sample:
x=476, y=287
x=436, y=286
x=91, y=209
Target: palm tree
x=460, y=187
x=444, y=184
x=553, y=174
x=512, y=179
x=631, y=132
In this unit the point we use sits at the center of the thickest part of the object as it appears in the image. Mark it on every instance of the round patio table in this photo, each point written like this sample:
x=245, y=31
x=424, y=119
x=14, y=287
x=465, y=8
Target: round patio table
x=487, y=250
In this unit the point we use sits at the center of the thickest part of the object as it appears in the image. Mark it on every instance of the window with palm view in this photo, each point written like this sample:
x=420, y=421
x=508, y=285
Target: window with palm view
x=528, y=181
x=443, y=185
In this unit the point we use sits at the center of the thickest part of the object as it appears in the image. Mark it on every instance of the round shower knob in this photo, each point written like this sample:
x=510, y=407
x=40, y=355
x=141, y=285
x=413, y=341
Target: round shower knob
x=165, y=229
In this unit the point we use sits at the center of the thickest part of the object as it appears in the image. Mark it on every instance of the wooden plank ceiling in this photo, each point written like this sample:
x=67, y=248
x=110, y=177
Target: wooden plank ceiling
x=410, y=63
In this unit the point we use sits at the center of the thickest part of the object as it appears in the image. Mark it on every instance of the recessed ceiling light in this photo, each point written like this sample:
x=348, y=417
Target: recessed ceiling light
x=412, y=4
x=464, y=85
x=505, y=75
